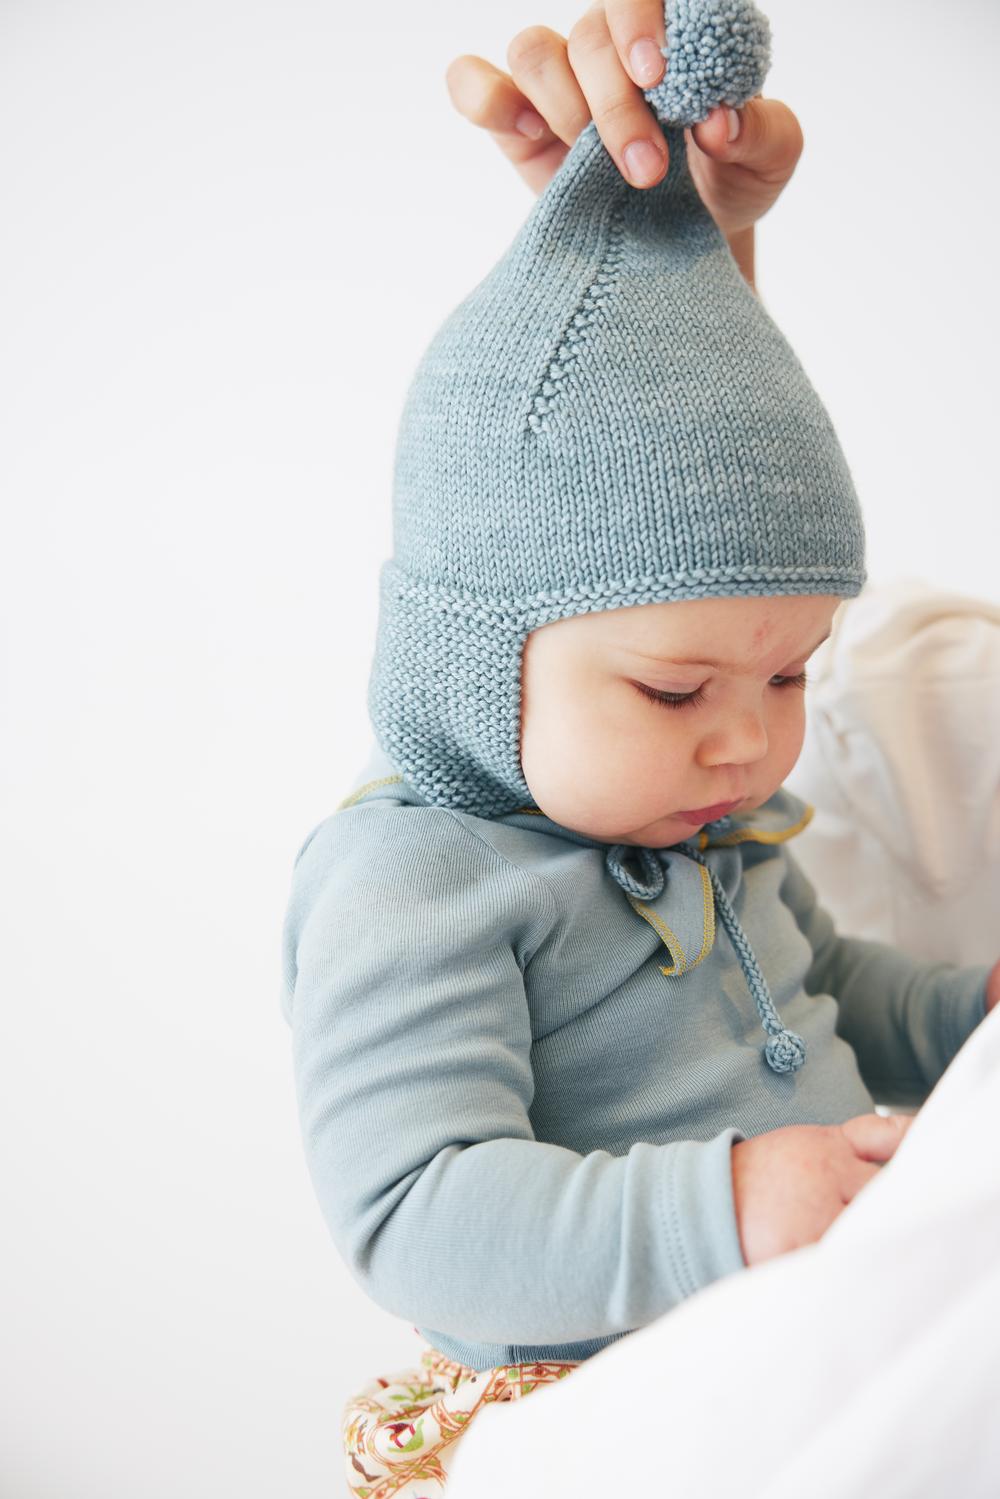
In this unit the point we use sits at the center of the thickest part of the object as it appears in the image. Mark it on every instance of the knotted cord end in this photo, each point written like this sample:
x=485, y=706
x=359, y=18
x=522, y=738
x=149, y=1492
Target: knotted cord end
x=785, y=1052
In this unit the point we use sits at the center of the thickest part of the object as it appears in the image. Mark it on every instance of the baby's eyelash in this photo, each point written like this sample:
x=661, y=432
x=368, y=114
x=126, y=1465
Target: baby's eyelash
x=671, y=699
x=692, y=699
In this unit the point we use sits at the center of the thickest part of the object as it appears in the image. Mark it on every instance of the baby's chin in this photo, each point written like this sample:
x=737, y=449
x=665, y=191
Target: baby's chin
x=662, y=833
x=671, y=829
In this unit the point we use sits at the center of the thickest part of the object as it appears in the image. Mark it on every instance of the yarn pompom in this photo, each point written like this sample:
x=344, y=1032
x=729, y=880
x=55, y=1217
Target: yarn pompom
x=785, y=1052
x=718, y=52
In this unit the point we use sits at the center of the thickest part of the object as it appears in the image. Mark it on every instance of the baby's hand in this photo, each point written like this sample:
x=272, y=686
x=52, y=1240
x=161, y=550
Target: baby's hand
x=790, y=1184
x=557, y=84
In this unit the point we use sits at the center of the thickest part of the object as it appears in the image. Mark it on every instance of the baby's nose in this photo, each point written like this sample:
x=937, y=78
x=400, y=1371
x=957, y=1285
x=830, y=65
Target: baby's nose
x=740, y=740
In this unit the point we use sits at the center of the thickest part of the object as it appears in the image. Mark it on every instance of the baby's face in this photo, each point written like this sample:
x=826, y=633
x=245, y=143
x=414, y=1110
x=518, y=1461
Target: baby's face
x=602, y=757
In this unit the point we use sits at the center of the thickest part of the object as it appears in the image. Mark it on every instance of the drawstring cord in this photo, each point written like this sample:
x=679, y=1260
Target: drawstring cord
x=652, y=868
x=785, y=1051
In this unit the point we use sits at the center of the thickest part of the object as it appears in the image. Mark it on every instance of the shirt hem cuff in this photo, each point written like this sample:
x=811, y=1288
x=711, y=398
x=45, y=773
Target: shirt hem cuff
x=699, y=1212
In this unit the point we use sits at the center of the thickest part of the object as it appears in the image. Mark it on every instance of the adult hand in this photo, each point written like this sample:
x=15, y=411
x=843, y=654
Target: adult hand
x=557, y=84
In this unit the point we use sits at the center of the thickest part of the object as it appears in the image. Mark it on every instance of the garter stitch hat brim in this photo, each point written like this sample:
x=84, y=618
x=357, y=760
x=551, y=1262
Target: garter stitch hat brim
x=609, y=418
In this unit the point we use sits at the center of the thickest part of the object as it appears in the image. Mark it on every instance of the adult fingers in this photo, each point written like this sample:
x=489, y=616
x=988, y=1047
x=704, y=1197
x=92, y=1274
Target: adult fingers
x=489, y=98
x=538, y=58
x=637, y=30
x=625, y=122
x=768, y=137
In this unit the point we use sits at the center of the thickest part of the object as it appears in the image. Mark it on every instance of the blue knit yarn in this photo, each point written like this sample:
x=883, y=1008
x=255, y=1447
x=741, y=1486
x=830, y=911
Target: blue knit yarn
x=609, y=418
x=785, y=1050
x=718, y=52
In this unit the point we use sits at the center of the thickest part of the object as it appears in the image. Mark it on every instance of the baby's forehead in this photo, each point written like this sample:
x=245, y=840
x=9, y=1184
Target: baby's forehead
x=725, y=629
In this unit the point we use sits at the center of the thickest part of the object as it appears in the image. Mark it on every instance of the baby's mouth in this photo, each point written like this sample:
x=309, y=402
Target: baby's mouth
x=698, y=815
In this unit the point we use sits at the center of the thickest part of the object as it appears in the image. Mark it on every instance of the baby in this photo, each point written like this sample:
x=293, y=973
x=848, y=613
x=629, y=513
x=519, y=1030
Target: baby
x=572, y=1036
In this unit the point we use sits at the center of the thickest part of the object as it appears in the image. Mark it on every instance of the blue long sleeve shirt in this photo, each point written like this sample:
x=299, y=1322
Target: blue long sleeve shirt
x=519, y=1081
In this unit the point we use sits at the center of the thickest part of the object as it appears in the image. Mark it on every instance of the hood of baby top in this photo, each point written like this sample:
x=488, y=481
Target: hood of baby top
x=610, y=418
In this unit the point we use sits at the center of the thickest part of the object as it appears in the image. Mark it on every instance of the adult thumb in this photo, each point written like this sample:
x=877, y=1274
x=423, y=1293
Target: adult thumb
x=874, y=1137
x=768, y=137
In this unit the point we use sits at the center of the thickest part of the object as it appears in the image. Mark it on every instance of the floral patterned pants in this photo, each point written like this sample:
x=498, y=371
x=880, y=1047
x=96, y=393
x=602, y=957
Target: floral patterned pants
x=399, y=1430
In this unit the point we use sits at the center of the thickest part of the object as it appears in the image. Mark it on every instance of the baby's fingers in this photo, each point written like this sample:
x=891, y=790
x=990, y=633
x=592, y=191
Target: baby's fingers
x=874, y=1137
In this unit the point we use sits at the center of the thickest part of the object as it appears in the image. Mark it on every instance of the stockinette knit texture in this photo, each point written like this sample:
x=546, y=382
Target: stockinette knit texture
x=609, y=418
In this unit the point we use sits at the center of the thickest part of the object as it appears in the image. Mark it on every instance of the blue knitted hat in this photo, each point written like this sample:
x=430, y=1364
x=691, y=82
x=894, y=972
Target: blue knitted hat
x=609, y=418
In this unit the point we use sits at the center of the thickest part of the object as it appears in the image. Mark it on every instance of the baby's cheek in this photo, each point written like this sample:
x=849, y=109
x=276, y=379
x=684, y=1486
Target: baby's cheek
x=788, y=734
x=556, y=750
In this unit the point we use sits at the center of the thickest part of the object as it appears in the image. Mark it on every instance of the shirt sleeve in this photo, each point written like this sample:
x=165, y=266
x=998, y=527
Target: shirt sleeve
x=404, y=948
x=904, y=1017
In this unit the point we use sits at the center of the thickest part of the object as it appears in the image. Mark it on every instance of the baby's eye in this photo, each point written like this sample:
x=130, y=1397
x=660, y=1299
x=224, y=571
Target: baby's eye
x=670, y=699
x=684, y=699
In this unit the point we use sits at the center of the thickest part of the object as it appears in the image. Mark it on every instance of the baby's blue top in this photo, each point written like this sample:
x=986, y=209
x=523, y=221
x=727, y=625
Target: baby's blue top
x=519, y=1081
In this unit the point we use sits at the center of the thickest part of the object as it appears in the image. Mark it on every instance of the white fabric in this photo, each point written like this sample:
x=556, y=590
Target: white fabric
x=902, y=762
x=866, y=1366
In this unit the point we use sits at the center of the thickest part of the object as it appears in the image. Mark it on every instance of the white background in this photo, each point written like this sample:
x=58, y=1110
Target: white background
x=228, y=232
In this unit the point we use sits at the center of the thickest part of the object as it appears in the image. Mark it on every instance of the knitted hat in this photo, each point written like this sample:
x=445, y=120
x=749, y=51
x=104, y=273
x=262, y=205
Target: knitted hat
x=609, y=418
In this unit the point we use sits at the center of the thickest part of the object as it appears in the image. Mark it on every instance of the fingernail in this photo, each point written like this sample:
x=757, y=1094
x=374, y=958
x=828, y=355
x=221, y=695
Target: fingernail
x=530, y=124
x=734, y=124
x=646, y=61
x=644, y=161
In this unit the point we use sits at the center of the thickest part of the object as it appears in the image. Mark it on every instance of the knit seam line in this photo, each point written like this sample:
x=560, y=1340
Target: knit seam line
x=585, y=312
x=514, y=611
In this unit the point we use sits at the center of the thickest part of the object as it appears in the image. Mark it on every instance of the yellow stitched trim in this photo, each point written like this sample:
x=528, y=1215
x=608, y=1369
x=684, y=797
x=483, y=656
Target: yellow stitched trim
x=670, y=939
x=530, y=811
x=761, y=835
x=708, y=925
x=363, y=790
x=708, y=916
